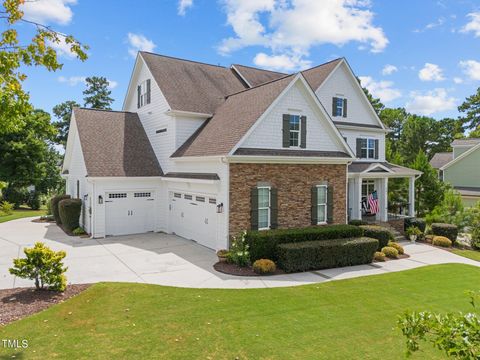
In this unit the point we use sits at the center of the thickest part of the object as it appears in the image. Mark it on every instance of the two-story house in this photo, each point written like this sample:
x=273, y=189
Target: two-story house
x=460, y=168
x=205, y=151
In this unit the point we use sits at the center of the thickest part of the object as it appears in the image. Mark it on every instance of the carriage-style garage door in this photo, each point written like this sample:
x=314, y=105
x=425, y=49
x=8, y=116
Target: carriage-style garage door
x=194, y=216
x=129, y=212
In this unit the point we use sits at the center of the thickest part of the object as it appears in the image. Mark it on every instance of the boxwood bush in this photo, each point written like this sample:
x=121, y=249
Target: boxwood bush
x=418, y=222
x=377, y=232
x=69, y=211
x=315, y=255
x=448, y=230
x=263, y=244
x=357, y=222
x=54, y=206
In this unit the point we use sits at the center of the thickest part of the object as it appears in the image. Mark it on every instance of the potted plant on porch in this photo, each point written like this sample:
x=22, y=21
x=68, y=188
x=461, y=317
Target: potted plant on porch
x=413, y=232
x=222, y=255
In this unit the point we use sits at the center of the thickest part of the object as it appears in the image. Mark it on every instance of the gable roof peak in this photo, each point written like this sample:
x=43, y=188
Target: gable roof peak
x=181, y=59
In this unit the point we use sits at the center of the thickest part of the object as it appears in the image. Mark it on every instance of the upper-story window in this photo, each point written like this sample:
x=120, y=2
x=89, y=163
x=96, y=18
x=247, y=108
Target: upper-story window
x=339, y=106
x=294, y=131
x=143, y=93
x=367, y=148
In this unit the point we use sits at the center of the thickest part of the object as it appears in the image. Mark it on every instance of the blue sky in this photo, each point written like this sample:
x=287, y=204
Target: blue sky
x=419, y=54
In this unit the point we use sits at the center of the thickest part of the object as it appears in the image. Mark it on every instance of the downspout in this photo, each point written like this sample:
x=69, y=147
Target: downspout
x=94, y=203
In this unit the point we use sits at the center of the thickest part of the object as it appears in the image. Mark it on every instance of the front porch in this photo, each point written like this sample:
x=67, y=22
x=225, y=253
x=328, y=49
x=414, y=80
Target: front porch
x=368, y=192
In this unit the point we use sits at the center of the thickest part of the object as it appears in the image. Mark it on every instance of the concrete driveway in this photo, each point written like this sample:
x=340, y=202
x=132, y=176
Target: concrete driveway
x=157, y=258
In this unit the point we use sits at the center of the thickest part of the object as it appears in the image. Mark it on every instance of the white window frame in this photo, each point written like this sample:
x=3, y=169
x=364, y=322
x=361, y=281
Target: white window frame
x=143, y=93
x=299, y=131
x=367, y=184
x=269, y=207
x=341, y=107
x=322, y=204
x=367, y=148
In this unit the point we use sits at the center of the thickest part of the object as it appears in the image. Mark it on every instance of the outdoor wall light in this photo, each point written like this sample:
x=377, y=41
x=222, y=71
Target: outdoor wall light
x=100, y=199
x=220, y=208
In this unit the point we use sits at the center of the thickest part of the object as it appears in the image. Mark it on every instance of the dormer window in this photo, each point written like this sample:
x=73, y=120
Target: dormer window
x=339, y=106
x=143, y=93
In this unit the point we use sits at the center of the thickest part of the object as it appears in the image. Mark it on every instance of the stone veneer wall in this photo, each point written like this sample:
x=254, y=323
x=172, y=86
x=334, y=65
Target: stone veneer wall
x=294, y=183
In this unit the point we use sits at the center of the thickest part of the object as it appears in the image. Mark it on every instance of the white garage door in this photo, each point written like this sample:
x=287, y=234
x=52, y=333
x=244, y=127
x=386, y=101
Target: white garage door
x=129, y=212
x=194, y=216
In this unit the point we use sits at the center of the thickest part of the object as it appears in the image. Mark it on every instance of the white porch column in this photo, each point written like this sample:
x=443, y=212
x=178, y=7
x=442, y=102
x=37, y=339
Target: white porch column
x=411, y=196
x=382, y=193
x=357, y=206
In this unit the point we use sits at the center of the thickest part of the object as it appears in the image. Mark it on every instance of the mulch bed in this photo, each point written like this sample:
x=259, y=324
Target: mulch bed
x=233, y=269
x=18, y=303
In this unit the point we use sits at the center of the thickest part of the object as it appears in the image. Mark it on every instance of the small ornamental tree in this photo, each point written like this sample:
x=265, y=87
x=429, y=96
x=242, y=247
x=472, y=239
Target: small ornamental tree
x=456, y=334
x=44, y=266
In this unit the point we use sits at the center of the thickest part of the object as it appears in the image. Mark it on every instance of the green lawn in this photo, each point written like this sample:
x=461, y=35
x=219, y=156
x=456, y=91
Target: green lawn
x=471, y=254
x=349, y=319
x=21, y=213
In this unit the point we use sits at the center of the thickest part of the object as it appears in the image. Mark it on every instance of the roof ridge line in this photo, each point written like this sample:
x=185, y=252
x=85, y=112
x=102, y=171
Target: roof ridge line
x=106, y=110
x=256, y=68
x=256, y=87
x=325, y=63
x=181, y=59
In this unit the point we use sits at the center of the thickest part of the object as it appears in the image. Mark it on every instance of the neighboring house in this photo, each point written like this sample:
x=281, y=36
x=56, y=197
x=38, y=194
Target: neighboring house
x=460, y=168
x=205, y=151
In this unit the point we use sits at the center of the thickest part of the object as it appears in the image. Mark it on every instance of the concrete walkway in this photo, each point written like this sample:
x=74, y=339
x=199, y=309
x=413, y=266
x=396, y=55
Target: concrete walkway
x=170, y=260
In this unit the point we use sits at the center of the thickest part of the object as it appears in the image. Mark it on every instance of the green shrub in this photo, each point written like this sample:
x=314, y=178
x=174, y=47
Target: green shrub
x=390, y=252
x=69, y=211
x=357, y=222
x=417, y=222
x=263, y=244
x=475, y=242
x=448, y=230
x=315, y=255
x=239, y=253
x=379, y=256
x=78, y=231
x=377, y=232
x=441, y=241
x=15, y=195
x=49, y=207
x=264, y=266
x=6, y=208
x=33, y=200
x=43, y=265
x=54, y=205
x=397, y=246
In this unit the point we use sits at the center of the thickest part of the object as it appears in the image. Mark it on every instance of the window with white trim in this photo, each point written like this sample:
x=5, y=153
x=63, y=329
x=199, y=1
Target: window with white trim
x=142, y=194
x=264, y=207
x=295, y=130
x=322, y=204
x=338, y=106
x=368, y=187
x=117, y=195
x=367, y=149
x=143, y=93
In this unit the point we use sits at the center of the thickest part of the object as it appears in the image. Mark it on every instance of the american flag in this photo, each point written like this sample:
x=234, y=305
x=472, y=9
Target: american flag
x=373, y=202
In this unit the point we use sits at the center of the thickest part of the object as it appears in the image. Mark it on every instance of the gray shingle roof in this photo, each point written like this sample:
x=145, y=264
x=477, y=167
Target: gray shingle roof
x=361, y=166
x=440, y=159
x=115, y=144
x=466, y=142
x=317, y=75
x=289, y=152
x=192, y=86
x=346, y=123
x=256, y=76
x=218, y=135
x=468, y=190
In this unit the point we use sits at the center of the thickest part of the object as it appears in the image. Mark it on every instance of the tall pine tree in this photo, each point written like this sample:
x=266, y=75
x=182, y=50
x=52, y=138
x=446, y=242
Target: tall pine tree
x=97, y=94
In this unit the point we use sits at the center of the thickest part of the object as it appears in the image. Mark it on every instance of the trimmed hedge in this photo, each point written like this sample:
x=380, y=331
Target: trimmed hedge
x=447, y=230
x=315, y=255
x=418, y=222
x=441, y=241
x=54, y=206
x=390, y=252
x=69, y=211
x=264, y=266
x=377, y=232
x=263, y=244
x=357, y=222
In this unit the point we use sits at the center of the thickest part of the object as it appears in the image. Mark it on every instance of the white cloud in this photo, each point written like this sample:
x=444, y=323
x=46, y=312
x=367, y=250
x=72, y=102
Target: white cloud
x=457, y=80
x=389, y=69
x=183, y=5
x=439, y=22
x=473, y=25
x=430, y=102
x=75, y=80
x=471, y=68
x=431, y=72
x=380, y=89
x=49, y=11
x=62, y=48
x=293, y=27
x=139, y=42
x=280, y=62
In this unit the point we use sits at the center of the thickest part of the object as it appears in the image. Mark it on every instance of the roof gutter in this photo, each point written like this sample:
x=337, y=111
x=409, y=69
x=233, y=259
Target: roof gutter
x=287, y=159
x=190, y=114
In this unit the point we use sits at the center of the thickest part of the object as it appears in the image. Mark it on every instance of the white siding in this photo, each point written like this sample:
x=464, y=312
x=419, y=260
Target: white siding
x=184, y=128
x=352, y=136
x=340, y=84
x=268, y=133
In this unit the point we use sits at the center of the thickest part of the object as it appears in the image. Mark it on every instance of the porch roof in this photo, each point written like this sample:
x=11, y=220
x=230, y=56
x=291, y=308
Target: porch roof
x=381, y=169
x=468, y=190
